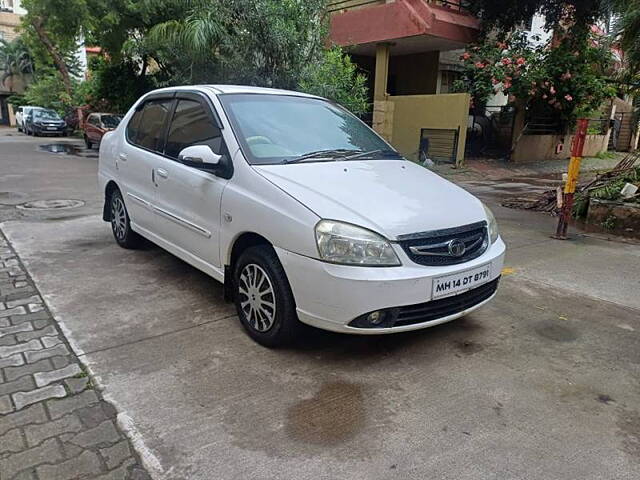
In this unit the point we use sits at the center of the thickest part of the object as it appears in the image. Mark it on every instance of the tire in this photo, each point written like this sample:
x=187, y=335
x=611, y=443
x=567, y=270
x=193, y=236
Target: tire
x=19, y=129
x=271, y=327
x=87, y=142
x=120, y=223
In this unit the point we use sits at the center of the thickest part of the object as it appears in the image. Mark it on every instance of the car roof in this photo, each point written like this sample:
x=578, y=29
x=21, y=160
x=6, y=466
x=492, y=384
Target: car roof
x=228, y=89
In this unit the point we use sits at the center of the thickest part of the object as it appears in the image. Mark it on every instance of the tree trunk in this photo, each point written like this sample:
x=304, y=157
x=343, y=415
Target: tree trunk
x=38, y=25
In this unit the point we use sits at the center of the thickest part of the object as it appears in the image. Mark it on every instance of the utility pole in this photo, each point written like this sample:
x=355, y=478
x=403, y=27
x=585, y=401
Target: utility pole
x=577, y=148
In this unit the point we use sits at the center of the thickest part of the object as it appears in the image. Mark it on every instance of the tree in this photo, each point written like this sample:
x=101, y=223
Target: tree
x=15, y=61
x=57, y=25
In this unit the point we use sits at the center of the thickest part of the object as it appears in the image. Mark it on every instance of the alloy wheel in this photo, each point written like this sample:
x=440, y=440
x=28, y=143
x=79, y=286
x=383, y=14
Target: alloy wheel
x=257, y=297
x=118, y=218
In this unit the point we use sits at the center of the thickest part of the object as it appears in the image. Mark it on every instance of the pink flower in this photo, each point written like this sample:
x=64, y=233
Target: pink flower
x=506, y=61
x=520, y=61
x=568, y=98
x=466, y=56
x=552, y=90
x=494, y=81
x=480, y=65
x=502, y=45
x=506, y=85
x=544, y=96
x=566, y=76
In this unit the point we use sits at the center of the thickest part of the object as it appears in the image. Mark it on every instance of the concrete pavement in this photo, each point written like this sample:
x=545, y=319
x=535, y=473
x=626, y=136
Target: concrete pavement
x=539, y=384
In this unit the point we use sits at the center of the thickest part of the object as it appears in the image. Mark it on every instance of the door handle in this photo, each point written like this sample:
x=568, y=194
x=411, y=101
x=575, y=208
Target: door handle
x=162, y=173
x=123, y=157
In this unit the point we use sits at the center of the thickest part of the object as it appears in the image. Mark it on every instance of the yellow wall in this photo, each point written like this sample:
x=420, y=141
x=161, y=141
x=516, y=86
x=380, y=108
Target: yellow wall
x=411, y=113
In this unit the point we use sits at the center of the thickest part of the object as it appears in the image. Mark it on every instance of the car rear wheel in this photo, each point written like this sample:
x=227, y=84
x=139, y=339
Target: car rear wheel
x=263, y=298
x=120, y=223
x=87, y=142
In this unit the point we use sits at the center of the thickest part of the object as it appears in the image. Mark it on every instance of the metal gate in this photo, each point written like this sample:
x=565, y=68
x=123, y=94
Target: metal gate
x=439, y=144
x=490, y=132
x=621, y=132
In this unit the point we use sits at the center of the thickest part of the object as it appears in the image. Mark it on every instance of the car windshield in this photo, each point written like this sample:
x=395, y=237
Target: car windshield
x=287, y=128
x=46, y=115
x=111, y=121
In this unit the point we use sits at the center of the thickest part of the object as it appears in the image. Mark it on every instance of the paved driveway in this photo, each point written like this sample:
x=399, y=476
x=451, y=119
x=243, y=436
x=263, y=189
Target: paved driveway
x=539, y=384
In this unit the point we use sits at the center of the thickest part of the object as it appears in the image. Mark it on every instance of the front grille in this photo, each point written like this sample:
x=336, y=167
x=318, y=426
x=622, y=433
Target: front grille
x=424, y=312
x=433, y=248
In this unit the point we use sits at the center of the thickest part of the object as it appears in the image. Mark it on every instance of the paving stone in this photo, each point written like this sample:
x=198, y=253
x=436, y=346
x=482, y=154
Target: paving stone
x=94, y=415
x=5, y=405
x=138, y=473
x=115, y=455
x=12, y=373
x=35, y=307
x=86, y=465
x=25, y=337
x=12, y=361
x=11, y=442
x=33, y=414
x=20, y=284
x=49, y=342
x=23, y=347
x=76, y=385
x=37, y=433
x=19, y=385
x=120, y=473
x=46, y=353
x=48, y=451
x=58, y=408
x=22, y=399
x=12, y=311
x=4, y=322
x=30, y=317
x=25, y=475
x=45, y=378
x=24, y=301
x=23, y=327
x=38, y=324
x=104, y=433
x=16, y=293
x=59, y=362
x=8, y=341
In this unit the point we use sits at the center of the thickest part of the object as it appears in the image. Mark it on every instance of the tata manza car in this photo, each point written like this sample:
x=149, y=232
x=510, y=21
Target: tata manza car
x=302, y=210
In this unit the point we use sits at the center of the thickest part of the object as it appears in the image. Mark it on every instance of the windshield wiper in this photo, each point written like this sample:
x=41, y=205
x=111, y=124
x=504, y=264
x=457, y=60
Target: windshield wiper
x=371, y=153
x=331, y=153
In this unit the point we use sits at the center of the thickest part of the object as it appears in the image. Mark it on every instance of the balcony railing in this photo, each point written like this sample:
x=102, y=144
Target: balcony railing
x=461, y=6
x=6, y=5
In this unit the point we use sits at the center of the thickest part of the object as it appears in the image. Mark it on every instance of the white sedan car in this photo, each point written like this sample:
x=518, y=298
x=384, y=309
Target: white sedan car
x=302, y=210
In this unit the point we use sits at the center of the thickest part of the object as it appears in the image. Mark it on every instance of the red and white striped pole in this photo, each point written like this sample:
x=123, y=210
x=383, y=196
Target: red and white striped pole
x=577, y=148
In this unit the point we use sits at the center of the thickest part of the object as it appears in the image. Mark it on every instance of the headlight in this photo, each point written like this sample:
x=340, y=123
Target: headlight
x=351, y=245
x=493, y=225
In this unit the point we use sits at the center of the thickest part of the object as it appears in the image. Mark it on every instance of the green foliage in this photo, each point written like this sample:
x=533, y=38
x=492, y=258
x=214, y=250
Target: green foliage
x=48, y=91
x=567, y=77
x=112, y=86
x=336, y=77
x=507, y=15
x=609, y=223
x=15, y=61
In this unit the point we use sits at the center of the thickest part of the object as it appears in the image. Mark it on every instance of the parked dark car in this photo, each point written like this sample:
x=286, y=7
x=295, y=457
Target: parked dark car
x=97, y=124
x=42, y=121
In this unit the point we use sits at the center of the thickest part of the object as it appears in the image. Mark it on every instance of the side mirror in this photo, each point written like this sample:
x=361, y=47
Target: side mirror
x=200, y=156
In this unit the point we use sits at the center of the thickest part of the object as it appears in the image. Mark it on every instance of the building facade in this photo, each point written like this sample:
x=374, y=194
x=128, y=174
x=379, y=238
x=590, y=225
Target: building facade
x=410, y=50
x=10, y=12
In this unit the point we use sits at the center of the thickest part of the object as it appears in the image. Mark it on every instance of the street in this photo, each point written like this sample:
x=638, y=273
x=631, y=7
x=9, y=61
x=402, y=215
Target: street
x=541, y=383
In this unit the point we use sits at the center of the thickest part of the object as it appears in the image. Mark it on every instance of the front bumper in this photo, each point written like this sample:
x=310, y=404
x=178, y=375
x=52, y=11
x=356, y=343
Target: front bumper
x=57, y=130
x=331, y=296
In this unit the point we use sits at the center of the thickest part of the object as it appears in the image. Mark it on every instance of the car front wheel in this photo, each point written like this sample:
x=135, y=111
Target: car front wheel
x=263, y=298
x=120, y=223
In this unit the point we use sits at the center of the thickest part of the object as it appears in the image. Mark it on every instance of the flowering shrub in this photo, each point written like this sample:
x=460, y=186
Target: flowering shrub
x=567, y=77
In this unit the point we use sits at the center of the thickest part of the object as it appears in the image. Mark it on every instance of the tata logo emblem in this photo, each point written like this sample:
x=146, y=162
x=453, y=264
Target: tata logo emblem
x=456, y=248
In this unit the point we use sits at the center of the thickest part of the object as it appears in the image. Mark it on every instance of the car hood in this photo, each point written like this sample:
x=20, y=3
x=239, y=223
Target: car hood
x=391, y=197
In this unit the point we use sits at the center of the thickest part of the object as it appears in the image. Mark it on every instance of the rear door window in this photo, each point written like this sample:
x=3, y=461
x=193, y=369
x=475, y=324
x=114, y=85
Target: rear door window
x=192, y=125
x=147, y=126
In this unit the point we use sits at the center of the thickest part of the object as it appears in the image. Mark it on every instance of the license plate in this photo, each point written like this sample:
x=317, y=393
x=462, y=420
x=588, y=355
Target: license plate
x=52, y=128
x=460, y=282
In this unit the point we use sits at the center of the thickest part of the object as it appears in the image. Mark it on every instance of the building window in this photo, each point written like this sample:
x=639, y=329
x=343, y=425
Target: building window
x=447, y=79
x=6, y=5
